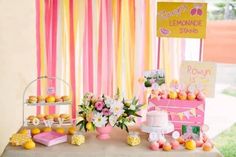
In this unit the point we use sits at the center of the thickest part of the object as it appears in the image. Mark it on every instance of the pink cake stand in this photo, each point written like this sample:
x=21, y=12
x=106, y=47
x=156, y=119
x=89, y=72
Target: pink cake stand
x=157, y=133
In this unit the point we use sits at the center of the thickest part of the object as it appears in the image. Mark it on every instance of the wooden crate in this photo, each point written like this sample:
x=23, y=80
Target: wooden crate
x=176, y=107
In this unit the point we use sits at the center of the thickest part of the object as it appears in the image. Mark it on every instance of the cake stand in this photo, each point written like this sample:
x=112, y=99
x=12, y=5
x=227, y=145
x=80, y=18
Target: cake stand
x=157, y=133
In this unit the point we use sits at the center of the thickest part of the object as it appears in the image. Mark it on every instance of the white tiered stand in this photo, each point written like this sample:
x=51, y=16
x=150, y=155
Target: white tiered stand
x=26, y=104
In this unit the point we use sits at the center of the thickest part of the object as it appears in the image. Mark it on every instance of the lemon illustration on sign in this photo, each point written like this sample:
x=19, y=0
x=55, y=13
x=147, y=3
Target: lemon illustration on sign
x=47, y=129
x=35, y=131
x=71, y=130
x=60, y=130
x=23, y=131
x=89, y=126
x=29, y=145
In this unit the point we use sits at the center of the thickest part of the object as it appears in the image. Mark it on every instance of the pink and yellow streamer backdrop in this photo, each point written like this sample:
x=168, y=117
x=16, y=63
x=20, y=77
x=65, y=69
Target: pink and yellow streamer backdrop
x=97, y=46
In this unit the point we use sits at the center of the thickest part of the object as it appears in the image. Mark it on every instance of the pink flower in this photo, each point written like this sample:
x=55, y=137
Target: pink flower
x=99, y=105
x=106, y=112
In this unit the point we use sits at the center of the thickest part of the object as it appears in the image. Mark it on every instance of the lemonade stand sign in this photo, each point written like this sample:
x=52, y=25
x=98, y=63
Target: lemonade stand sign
x=179, y=19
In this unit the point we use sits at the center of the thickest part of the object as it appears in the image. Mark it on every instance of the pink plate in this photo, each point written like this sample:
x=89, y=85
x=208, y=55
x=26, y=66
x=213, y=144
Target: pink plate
x=50, y=138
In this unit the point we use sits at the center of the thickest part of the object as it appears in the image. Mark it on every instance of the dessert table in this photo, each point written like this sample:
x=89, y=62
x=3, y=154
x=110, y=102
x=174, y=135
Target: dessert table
x=116, y=146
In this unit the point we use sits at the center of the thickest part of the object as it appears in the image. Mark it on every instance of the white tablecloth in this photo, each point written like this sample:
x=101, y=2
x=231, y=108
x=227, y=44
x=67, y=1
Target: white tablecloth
x=114, y=147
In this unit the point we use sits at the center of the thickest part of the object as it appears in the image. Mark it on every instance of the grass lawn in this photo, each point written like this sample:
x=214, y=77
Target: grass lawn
x=226, y=142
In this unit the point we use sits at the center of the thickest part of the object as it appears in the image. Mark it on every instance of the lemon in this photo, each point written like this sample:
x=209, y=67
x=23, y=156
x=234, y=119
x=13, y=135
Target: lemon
x=29, y=145
x=23, y=131
x=47, y=129
x=71, y=130
x=35, y=131
x=190, y=145
x=89, y=126
x=60, y=130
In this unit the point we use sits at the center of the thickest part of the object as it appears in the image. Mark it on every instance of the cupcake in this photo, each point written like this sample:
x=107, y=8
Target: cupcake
x=32, y=99
x=175, y=144
x=66, y=117
x=167, y=147
x=65, y=98
x=181, y=140
x=40, y=117
x=200, y=96
x=58, y=99
x=48, y=117
x=30, y=118
x=199, y=143
x=55, y=117
x=207, y=146
x=191, y=96
x=40, y=99
x=154, y=146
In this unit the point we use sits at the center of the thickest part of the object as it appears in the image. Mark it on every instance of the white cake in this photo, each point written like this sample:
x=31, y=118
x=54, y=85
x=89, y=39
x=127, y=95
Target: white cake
x=157, y=118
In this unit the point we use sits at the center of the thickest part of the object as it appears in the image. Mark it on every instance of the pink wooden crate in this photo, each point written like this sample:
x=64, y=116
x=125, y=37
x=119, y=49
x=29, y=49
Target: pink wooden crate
x=179, y=106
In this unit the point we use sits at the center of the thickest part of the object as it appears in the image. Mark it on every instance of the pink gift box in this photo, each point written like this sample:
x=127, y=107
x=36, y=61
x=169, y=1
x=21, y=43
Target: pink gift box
x=176, y=106
x=50, y=138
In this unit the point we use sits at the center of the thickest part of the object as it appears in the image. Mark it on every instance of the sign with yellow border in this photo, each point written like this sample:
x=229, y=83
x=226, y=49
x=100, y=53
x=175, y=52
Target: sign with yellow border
x=180, y=19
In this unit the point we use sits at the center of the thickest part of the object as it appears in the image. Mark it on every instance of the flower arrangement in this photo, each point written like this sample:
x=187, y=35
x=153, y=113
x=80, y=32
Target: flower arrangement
x=102, y=111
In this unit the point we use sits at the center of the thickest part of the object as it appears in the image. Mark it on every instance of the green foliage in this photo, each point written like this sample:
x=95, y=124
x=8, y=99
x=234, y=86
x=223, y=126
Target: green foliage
x=226, y=142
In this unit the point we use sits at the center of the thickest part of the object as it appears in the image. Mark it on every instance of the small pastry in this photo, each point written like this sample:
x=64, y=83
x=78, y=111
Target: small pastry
x=32, y=99
x=47, y=129
x=172, y=94
x=35, y=131
x=72, y=130
x=65, y=98
x=50, y=99
x=40, y=117
x=200, y=96
x=66, y=117
x=29, y=145
x=40, y=99
x=55, y=117
x=190, y=145
x=30, y=118
x=182, y=95
x=205, y=138
x=167, y=147
x=49, y=117
x=191, y=96
x=154, y=146
x=60, y=130
x=199, y=143
x=58, y=99
x=161, y=142
x=207, y=146
x=181, y=140
x=175, y=144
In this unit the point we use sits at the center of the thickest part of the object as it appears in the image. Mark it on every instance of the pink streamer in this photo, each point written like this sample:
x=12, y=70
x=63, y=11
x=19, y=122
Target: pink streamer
x=109, y=47
x=38, y=51
x=90, y=46
x=99, y=77
x=72, y=60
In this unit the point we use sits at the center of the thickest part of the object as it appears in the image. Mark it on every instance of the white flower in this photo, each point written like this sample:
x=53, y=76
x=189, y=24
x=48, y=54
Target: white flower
x=99, y=120
x=113, y=120
x=117, y=108
x=132, y=107
x=108, y=102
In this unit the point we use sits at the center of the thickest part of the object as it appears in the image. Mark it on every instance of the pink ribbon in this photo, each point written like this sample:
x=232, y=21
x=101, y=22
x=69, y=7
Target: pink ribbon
x=38, y=51
x=72, y=59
